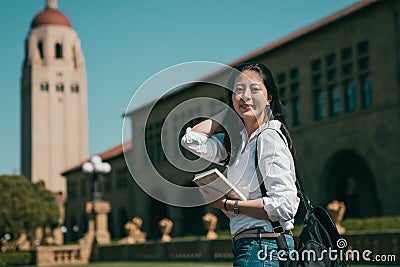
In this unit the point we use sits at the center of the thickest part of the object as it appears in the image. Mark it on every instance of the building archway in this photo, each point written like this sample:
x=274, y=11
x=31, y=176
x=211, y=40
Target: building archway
x=348, y=178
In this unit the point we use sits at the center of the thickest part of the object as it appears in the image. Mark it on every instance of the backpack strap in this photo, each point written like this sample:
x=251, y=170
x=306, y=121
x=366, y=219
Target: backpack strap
x=304, y=199
x=259, y=175
x=276, y=226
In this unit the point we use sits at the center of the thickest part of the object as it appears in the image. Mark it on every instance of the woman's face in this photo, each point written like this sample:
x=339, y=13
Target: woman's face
x=250, y=96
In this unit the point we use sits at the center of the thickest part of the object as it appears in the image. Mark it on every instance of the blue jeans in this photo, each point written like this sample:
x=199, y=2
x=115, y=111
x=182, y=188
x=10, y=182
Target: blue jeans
x=247, y=253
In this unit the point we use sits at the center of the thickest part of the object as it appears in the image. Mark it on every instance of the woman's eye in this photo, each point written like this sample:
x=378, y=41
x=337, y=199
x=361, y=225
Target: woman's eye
x=238, y=89
x=254, y=89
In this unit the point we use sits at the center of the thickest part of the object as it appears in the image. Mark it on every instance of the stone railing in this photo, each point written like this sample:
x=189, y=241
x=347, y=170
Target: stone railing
x=194, y=250
x=385, y=245
x=59, y=255
x=67, y=254
x=220, y=249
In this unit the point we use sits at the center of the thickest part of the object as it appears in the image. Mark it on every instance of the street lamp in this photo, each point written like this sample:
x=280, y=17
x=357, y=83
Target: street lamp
x=96, y=167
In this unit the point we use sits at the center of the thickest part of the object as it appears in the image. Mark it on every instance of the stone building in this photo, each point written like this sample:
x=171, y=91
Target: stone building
x=339, y=79
x=117, y=187
x=53, y=99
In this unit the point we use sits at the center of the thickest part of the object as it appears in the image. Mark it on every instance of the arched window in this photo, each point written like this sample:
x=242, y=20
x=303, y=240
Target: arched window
x=75, y=88
x=59, y=50
x=74, y=57
x=44, y=86
x=40, y=48
x=60, y=87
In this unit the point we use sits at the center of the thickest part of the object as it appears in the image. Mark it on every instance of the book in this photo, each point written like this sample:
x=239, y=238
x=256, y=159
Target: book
x=215, y=180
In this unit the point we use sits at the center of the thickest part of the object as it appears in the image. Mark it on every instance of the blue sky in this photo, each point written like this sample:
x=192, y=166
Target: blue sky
x=126, y=42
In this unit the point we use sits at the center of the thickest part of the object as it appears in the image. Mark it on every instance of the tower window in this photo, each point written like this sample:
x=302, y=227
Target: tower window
x=75, y=88
x=59, y=50
x=40, y=48
x=44, y=86
x=60, y=87
x=74, y=57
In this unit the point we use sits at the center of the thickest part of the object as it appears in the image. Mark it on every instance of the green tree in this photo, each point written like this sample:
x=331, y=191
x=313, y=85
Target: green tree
x=24, y=206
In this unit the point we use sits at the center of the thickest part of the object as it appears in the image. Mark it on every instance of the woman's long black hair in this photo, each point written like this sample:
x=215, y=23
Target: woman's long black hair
x=276, y=107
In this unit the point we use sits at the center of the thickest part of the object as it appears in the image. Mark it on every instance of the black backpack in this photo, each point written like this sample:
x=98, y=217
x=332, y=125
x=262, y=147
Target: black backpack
x=319, y=235
x=318, y=239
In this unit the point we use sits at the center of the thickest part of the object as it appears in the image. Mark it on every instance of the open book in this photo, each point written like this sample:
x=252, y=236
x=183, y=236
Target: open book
x=215, y=180
x=220, y=185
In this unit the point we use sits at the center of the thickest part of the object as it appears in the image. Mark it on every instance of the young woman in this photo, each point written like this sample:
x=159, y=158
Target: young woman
x=263, y=140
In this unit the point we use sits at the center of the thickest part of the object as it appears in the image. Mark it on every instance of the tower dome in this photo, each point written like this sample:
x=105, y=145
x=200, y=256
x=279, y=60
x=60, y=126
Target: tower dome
x=50, y=16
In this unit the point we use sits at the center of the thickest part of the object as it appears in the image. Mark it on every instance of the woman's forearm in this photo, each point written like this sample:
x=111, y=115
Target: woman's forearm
x=209, y=126
x=253, y=208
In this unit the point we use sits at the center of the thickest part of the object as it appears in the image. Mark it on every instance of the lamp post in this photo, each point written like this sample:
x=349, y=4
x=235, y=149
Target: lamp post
x=96, y=167
x=97, y=209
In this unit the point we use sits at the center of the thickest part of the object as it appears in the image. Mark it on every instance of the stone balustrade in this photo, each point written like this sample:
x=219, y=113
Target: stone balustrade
x=60, y=255
x=221, y=249
x=66, y=254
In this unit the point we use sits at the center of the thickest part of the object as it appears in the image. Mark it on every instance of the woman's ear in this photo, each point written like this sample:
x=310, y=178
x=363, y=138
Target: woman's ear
x=269, y=100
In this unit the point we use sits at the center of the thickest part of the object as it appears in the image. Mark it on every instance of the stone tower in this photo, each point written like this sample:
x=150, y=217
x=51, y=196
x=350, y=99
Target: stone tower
x=53, y=100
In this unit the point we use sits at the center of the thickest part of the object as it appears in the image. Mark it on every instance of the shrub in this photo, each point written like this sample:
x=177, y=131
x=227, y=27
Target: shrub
x=15, y=258
x=372, y=223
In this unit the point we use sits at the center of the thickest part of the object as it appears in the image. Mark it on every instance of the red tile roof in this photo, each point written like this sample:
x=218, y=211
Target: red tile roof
x=282, y=41
x=106, y=155
x=306, y=30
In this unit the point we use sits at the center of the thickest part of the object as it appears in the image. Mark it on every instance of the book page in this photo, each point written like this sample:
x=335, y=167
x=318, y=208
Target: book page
x=215, y=180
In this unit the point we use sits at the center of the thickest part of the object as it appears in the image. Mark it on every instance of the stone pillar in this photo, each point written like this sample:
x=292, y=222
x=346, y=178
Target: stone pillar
x=98, y=223
x=58, y=236
x=89, y=212
x=39, y=234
